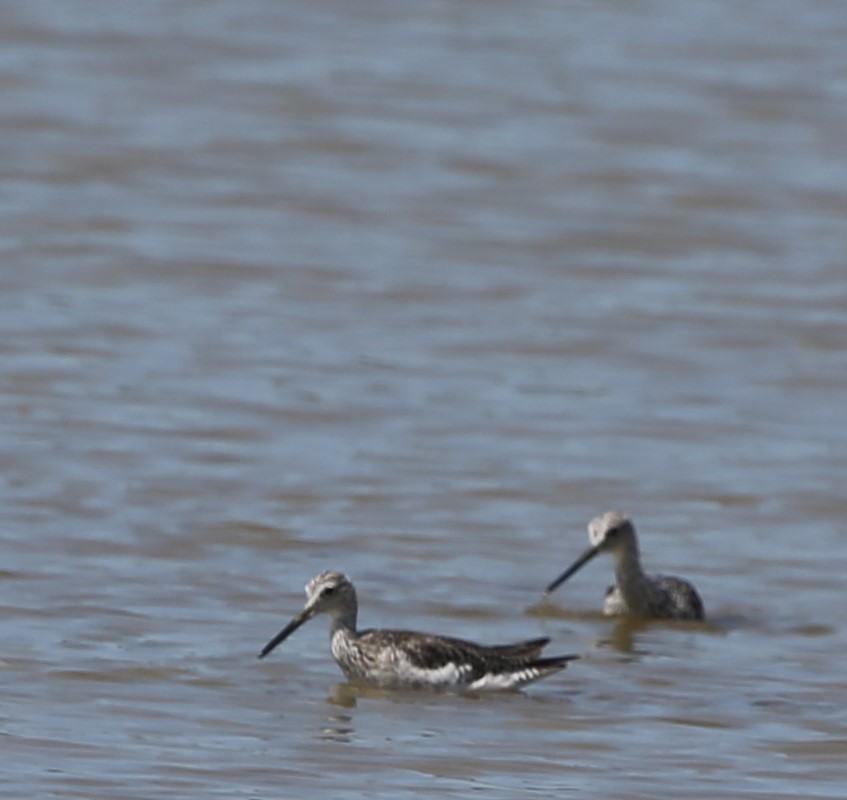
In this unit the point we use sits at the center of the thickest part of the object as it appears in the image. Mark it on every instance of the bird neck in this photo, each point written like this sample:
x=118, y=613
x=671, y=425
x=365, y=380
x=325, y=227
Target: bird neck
x=635, y=586
x=344, y=621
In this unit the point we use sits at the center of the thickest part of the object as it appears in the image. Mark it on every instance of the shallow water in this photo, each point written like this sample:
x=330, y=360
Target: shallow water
x=413, y=291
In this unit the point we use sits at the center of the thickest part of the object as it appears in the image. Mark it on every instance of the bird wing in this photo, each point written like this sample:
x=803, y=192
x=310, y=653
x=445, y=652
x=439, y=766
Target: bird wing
x=463, y=660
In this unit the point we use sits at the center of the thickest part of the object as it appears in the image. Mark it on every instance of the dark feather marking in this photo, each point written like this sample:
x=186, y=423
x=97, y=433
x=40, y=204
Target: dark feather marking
x=434, y=652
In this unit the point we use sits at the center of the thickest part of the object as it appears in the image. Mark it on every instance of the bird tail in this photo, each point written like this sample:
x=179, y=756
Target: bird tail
x=541, y=667
x=529, y=648
x=522, y=673
x=552, y=663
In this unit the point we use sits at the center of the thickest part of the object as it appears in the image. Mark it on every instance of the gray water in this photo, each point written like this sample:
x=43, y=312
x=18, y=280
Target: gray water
x=413, y=291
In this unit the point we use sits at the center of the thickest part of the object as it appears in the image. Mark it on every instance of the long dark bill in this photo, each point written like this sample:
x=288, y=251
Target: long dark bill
x=575, y=567
x=292, y=626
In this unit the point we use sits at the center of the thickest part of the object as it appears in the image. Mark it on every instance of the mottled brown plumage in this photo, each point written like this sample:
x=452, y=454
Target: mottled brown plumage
x=658, y=596
x=401, y=659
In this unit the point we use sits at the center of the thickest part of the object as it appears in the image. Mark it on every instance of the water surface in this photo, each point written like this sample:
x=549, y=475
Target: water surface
x=413, y=291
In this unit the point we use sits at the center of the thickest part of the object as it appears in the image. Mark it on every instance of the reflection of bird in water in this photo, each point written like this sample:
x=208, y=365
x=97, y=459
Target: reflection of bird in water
x=401, y=659
x=658, y=596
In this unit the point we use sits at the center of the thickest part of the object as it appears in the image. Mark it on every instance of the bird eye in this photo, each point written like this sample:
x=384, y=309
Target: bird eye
x=329, y=590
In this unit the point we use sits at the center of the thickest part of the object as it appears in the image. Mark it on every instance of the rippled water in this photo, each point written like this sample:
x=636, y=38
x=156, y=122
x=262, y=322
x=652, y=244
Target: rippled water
x=413, y=291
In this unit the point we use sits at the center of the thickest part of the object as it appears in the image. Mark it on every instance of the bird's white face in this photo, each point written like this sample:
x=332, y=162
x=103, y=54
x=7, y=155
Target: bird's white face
x=328, y=593
x=610, y=531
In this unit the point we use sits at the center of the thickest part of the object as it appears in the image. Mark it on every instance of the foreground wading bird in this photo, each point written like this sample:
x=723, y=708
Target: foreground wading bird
x=657, y=596
x=401, y=659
